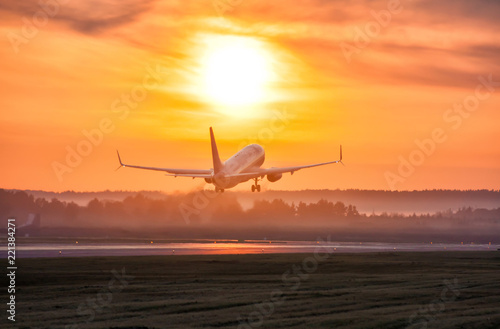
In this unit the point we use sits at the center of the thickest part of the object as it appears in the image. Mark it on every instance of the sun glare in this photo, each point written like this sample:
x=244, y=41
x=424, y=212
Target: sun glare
x=236, y=71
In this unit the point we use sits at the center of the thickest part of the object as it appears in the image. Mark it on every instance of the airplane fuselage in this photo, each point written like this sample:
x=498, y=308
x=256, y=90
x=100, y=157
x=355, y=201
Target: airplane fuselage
x=248, y=159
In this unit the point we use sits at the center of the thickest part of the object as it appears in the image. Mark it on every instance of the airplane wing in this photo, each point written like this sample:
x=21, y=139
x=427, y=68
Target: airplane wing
x=260, y=172
x=194, y=173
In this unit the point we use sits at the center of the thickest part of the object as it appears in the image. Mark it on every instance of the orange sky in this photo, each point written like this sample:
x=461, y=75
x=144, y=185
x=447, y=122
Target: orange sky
x=69, y=70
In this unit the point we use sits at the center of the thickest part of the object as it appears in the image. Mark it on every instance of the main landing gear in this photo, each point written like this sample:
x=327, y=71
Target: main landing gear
x=217, y=190
x=256, y=186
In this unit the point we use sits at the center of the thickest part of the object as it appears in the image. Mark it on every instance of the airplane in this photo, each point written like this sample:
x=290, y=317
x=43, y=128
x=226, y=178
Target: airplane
x=241, y=167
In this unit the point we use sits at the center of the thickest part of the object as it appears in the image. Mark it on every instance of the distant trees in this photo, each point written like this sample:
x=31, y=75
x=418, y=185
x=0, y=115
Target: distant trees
x=326, y=209
x=276, y=209
x=352, y=211
x=139, y=210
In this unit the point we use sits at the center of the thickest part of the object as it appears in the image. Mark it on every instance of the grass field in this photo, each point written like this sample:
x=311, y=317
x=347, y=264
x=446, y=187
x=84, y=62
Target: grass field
x=385, y=290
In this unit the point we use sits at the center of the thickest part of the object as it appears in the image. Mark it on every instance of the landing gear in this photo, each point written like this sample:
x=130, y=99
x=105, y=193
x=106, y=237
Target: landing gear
x=256, y=186
x=217, y=190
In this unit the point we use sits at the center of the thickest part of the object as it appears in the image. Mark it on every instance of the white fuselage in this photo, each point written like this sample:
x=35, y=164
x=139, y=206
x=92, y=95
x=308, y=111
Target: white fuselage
x=247, y=159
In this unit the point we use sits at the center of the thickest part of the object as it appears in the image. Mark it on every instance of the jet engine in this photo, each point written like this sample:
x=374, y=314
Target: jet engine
x=208, y=180
x=274, y=177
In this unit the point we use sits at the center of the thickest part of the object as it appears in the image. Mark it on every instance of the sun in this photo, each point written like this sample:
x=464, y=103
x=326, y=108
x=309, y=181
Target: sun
x=236, y=71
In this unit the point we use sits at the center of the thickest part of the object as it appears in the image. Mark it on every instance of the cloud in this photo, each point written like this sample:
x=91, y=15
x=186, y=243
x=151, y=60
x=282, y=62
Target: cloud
x=88, y=17
x=459, y=12
x=438, y=43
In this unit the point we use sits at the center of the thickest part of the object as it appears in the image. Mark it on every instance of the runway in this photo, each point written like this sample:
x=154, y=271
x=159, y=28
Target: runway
x=93, y=248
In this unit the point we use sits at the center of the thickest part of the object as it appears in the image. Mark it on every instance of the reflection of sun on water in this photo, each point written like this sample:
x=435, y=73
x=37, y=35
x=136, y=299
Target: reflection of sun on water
x=236, y=73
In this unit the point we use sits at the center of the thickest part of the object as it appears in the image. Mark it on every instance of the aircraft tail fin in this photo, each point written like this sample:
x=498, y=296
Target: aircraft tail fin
x=215, y=153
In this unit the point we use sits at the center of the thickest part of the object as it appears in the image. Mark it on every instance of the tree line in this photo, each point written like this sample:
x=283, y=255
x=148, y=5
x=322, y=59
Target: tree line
x=139, y=209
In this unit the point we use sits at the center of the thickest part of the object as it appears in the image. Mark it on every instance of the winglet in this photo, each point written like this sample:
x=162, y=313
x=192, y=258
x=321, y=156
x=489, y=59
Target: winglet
x=341, y=156
x=215, y=153
x=120, y=160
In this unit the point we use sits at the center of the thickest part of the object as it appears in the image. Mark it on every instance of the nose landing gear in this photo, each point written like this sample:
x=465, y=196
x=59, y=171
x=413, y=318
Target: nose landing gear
x=256, y=186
